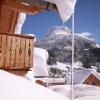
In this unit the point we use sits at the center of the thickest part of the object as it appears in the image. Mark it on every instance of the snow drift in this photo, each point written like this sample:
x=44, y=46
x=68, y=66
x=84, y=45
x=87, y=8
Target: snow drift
x=40, y=62
x=17, y=88
x=81, y=91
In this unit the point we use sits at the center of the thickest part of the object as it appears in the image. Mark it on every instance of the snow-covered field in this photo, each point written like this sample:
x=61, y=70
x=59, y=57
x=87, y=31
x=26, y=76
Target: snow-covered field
x=17, y=88
x=81, y=91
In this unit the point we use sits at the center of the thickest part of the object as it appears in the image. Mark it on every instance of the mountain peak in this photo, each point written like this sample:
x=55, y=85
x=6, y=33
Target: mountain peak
x=59, y=30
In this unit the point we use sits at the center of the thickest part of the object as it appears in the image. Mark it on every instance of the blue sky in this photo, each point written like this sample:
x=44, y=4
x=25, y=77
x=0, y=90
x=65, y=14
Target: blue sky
x=87, y=19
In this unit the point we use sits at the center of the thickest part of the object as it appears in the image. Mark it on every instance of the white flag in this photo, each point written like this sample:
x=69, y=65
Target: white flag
x=65, y=8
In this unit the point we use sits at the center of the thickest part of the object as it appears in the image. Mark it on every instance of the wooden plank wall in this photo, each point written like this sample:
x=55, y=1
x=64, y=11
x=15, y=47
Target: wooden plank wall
x=16, y=51
x=92, y=80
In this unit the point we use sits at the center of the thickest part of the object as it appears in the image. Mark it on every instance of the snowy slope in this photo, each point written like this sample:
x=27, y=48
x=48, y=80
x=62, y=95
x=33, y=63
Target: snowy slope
x=89, y=98
x=17, y=88
x=86, y=90
x=61, y=89
x=81, y=92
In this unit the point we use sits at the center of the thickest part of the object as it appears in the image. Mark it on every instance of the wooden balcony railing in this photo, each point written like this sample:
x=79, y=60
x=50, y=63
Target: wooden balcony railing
x=16, y=51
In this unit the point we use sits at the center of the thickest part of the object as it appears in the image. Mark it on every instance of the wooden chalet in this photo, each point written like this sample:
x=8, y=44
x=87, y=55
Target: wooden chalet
x=16, y=51
x=88, y=76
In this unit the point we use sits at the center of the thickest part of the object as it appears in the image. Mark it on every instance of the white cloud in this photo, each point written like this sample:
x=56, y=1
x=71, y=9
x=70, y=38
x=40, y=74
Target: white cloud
x=87, y=35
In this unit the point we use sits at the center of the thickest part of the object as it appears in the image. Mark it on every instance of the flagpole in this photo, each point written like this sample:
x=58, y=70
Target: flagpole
x=72, y=68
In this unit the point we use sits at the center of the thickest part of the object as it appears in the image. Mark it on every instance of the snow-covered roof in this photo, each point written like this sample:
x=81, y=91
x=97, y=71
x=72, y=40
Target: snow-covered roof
x=65, y=66
x=81, y=76
x=59, y=65
x=78, y=64
x=40, y=62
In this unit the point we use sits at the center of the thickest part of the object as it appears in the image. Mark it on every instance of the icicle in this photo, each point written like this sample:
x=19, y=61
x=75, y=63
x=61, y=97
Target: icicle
x=64, y=24
x=63, y=27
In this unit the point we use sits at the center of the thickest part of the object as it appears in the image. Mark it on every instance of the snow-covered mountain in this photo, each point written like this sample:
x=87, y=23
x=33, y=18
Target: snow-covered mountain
x=60, y=37
x=58, y=41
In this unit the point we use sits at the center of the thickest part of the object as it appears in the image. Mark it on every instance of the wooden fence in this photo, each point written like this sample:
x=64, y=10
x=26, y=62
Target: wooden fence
x=16, y=51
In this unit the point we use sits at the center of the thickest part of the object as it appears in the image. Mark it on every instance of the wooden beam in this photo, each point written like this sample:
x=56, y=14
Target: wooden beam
x=36, y=6
x=18, y=35
x=39, y=3
x=21, y=7
x=13, y=21
x=0, y=9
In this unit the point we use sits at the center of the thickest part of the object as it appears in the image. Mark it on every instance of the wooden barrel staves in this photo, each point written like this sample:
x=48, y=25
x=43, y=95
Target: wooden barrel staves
x=16, y=51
